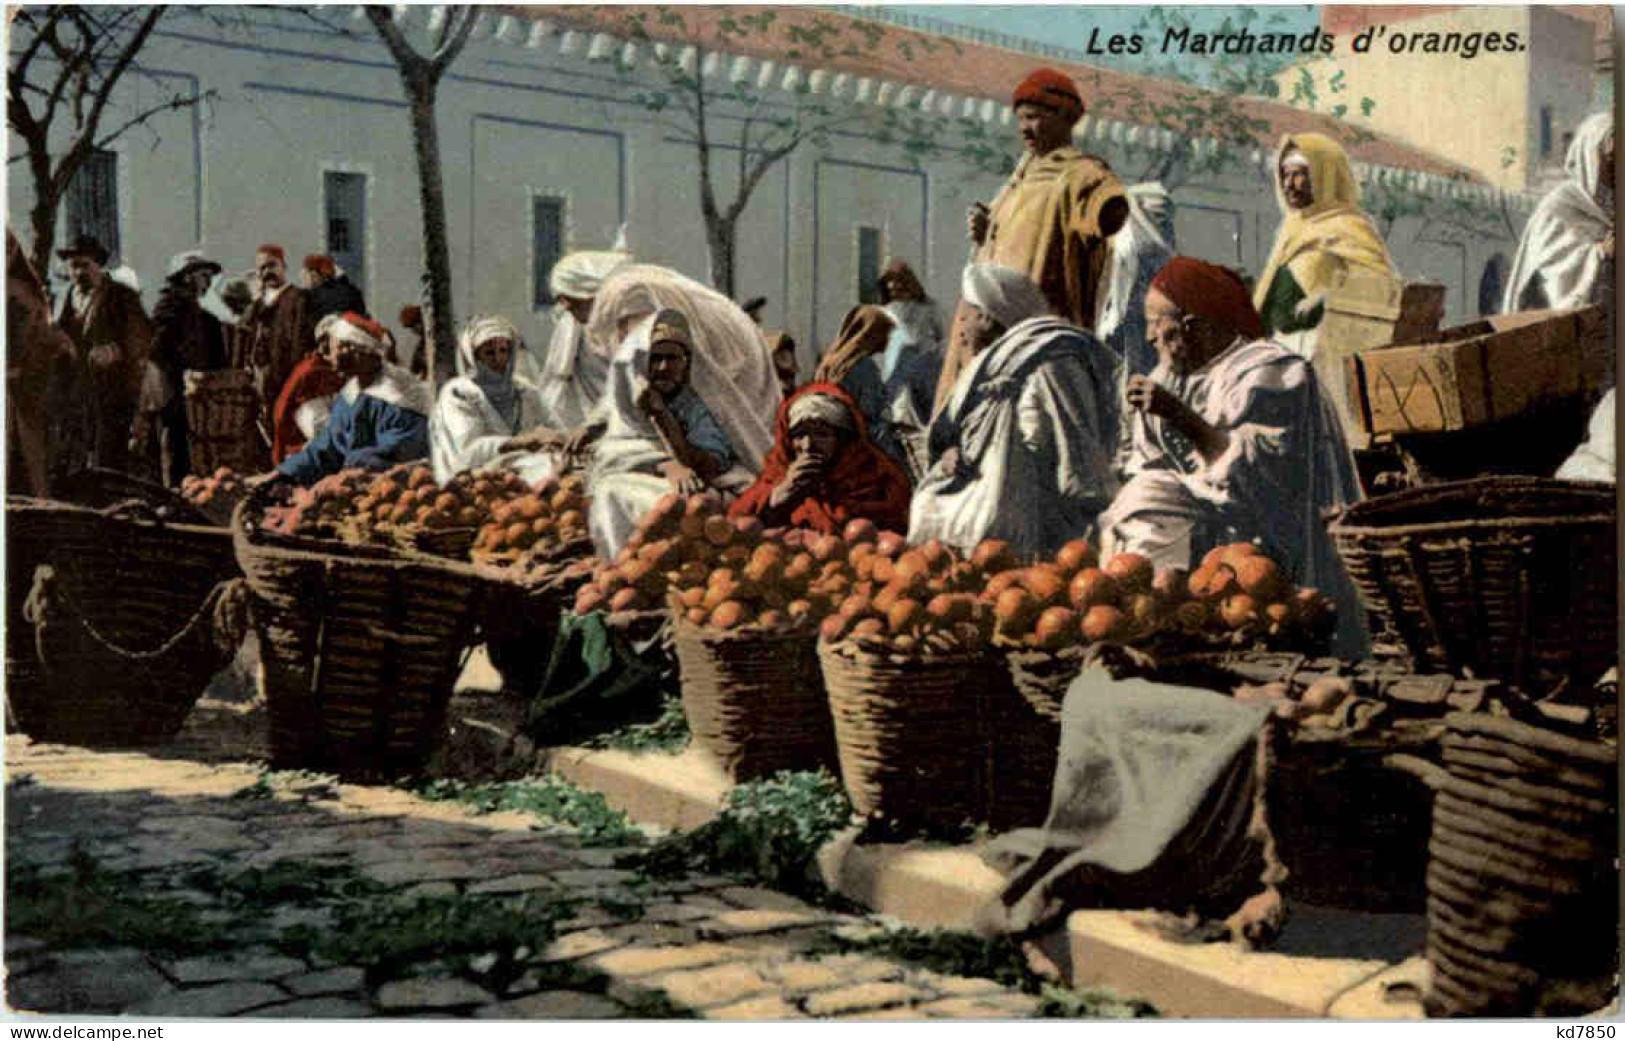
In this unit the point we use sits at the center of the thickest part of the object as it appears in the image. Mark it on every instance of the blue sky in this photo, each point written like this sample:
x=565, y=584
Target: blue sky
x=1069, y=26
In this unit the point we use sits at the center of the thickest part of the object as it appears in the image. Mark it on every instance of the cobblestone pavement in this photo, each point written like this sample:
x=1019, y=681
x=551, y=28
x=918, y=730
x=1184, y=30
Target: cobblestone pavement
x=275, y=882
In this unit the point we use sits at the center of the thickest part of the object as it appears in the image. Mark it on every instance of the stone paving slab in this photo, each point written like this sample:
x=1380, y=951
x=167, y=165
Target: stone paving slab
x=707, y=946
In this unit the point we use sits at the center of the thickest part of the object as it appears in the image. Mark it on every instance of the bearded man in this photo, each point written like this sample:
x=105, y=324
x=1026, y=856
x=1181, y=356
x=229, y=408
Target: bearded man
x=276, y=332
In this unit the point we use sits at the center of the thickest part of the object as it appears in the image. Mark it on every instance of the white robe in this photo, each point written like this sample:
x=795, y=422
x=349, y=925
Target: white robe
x=1594, y=459
x=1031, y=424
x=1287, y=461
x=1557, y=265
x=466, y=432
x=573, y=375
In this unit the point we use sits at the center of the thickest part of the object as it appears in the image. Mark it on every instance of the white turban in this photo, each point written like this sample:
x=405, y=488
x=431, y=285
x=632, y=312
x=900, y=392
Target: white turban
x=361, y=332
x=579, y=275
x=821, y=408
x=1005, y=294
x=1295, y=158
x=482, y=329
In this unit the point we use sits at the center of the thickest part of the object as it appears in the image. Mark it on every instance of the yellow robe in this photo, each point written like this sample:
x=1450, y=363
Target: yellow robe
x=1046, y=222
x=1317, y=245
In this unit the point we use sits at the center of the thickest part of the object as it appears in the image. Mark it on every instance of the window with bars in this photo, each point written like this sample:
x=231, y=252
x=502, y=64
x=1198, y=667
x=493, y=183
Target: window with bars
x=345, y=203
x=869, y=254
x=547, y=214
x=92, y=201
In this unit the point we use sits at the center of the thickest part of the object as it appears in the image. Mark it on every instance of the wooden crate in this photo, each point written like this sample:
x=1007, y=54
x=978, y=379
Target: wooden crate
x=1472, y=375
x=1370, y=310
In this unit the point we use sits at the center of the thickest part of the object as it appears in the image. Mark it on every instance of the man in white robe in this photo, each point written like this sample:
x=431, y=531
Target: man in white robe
x=1232, y=440
x=1565, y=258
x=573, y=374
x=488, y=415
x=1021, y=450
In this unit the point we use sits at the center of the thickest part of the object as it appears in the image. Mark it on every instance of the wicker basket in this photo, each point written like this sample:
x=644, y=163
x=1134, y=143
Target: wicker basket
x=361, y=645
x=1511, y=577
x=116, y=621
x=521, y=618
x=755, y=700
x=909, y=732
x=222, y=415
x=1523, y=897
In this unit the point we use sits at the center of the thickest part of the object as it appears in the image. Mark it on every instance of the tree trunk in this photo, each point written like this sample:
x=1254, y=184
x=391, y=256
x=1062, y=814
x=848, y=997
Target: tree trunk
x=720, y=234
x=439, y=336
x=42, y=224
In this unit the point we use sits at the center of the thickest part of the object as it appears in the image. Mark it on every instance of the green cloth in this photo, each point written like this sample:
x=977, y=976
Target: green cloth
x=597, y=680
x=1280, y=310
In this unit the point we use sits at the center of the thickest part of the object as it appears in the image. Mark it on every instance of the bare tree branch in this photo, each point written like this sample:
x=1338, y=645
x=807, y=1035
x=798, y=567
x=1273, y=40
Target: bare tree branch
x=383, y=20
x=111, y=77
x=448, y=50
x=173, y=104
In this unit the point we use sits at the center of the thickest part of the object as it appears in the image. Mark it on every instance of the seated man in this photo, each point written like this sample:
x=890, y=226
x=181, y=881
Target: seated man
x=824, y=470
x=1231, y=440
x=488, y=414
x=306, y=402
x=380, y=418
x=660, y=435
x=1022, y=448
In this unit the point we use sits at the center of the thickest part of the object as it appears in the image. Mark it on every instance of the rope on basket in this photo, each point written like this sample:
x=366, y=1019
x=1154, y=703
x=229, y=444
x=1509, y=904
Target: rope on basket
x=224, y=610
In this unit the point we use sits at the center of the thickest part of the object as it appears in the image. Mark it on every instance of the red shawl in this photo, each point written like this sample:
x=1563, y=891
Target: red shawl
x=863, y=482
x=312, y=378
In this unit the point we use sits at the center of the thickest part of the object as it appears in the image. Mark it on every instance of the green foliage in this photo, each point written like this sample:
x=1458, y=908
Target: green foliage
x=88, y=906
x=769, y=832
x=284, y=882
x=1091, y=1003
x=388, y=935
x=547, y=797
x=668, y=733
x=999, y=959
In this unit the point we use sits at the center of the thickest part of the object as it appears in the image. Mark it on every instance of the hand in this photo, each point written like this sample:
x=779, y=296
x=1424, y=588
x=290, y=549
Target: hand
x=538, y=440
x=1150, y=397
x=976, y=222
x=799, y=479
x=684, y=481
x=104, y=357
x=948, y=462
x=650, y=401
x=578, y=441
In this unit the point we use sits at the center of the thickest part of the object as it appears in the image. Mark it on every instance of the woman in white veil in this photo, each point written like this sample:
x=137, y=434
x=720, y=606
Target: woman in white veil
x=1566, y=256
x=730, y=369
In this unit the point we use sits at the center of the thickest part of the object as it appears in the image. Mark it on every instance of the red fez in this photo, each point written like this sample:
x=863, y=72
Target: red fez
x=275, y=251
x=321, y=263
x=1052, y=89
x=366, y=325
x=1212, y=292
x=411, y=316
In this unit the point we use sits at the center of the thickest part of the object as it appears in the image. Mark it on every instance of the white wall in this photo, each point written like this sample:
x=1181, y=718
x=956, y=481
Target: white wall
x=515, y=121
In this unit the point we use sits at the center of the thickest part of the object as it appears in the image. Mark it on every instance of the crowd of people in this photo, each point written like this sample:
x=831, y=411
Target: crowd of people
x=1092, y=383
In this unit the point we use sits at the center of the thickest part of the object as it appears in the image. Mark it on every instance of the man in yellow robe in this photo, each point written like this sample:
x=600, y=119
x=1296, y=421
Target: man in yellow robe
x=1053, y=219
x=1323, y=235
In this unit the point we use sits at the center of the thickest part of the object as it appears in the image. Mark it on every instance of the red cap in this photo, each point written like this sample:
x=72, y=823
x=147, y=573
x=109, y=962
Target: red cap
x=411, y=315
x=321, y=263
x=1215, y=293
x=275, y=251
x=1052, y=89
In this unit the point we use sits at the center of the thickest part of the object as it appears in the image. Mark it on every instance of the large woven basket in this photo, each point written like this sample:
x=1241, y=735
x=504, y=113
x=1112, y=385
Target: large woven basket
x=116, y=621
x=1509, y=577
x=361, y=646
x=222, y=414
x=1351, y=829
x=521, y=618
x=1025, y=734
x=755, y=700
x=909, y=731
x=1523, y=887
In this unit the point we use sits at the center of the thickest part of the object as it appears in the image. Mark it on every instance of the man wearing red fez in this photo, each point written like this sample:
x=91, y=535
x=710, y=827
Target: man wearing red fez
x=1052, y=220
x=1231, y=440
x=329, y=290
x=275, y=333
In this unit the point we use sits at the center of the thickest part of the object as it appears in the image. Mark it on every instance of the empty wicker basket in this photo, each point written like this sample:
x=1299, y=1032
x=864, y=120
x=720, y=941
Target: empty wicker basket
x=1506, y=577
